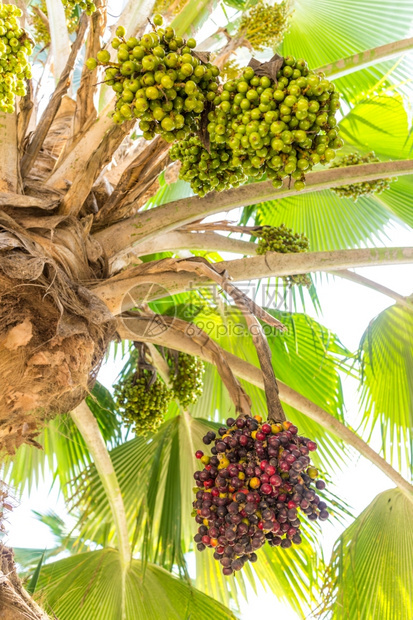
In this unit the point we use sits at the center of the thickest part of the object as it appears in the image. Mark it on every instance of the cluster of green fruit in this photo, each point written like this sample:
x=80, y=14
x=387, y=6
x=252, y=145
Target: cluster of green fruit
x=173, y=7
x=265, y=25
x=142, y=401
x=84, y=5
x=15, y=48
x=279, y=128
x=160, y=80
x=283, y=239
x=143, y=398
x=206, y=170
x=41, y=32
x=187, y=379
x=355, y=190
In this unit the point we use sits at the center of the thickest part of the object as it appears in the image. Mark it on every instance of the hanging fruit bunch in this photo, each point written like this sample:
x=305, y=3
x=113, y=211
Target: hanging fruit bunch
x=280, y=126
x=15, y=49
x=282, y=239
x=142, y=398
x=186, y=377
x=264, y=25
x=254, y=489
x=160, y=80
x=84, y=5
x=41, y=33
x=355, y=190
x=206, y=170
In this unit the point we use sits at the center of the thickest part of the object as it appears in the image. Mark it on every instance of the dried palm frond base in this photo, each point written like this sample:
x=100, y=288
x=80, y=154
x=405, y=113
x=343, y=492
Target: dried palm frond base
x=15, y=603
x=53, y=331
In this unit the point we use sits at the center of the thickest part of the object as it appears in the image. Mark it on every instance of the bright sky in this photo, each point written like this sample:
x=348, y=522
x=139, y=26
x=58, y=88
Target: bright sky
x=347, y=309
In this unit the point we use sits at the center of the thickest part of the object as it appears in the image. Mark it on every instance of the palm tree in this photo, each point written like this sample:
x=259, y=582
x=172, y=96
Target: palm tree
x=102, y=246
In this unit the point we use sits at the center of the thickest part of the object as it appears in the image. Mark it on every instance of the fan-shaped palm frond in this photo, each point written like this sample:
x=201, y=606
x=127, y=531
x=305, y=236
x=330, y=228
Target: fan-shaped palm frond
x=326, y=30
x=64, y=450
x=371, y=571
x=92, y=585
x=387, y=381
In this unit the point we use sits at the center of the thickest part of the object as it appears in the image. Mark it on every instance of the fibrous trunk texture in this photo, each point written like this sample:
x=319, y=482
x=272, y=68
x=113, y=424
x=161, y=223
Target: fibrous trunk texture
x=53, y=331
x=15, y=603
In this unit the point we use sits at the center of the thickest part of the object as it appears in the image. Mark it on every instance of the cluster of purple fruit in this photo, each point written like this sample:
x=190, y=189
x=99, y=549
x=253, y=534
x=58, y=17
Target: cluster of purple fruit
x=252, y=488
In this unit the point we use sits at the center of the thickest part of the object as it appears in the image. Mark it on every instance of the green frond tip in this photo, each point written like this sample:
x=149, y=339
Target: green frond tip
x=371, y=571
x=386, y=357
x=91, y=585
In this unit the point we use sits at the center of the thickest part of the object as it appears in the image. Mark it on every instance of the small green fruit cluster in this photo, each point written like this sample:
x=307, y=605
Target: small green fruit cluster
x=187, y=379
x=159, y=80
x=15, y=48
x=84, y=5
x=365, y=188
x=265, y=25
x=41, y=33
x=142, y=403
x=284, y=240
x=206, y=171
x=280, y=128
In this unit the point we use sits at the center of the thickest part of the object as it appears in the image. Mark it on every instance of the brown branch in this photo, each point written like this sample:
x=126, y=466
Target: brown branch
x=83, y=183
x=202, y=268
x=114, y=291
x=134, y=182
x=140, y=328
x=178, y=329
x=85, y=108
x=49, y=114
x=177, y=240
x=26, y=106
x=124, y=235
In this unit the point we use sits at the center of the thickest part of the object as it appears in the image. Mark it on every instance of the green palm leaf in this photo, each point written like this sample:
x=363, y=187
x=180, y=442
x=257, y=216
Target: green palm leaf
x=90, y=585
x=379, y=124
x=330, y=222
x=326, y=30
x=64, y=450
x=371, y=571
x=387, y=381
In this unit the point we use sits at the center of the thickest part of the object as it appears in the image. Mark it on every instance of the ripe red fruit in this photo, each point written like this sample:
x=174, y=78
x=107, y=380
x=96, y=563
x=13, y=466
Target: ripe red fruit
x=215, y=492
x=266, y=489
x=199, y=454
x=291, y=504
x=206, y=540
x=243, y=440
x=270, y=470
x=276, y=481
x=263, y=465
x=311, y=445
x=219, y=550
x=293, y=429
x=266, y=428
x=265, y=478
x=208, y=484
x=260, y=436
x=261, y=525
